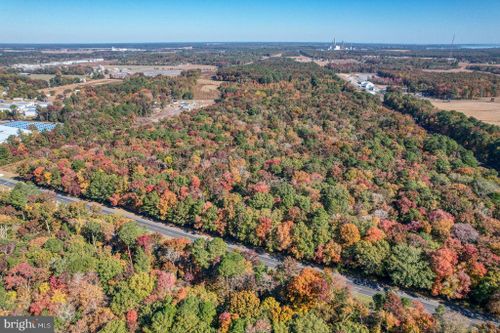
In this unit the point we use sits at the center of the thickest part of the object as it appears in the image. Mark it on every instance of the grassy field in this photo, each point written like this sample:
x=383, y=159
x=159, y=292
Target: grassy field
x=482, y=109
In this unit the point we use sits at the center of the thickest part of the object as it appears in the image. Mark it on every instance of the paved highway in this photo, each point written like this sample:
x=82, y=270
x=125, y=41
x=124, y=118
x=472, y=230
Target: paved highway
x=362, y=287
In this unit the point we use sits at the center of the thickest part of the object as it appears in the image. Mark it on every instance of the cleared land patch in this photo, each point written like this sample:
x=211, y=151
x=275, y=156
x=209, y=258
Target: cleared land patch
x=55, y=91
x=323, y=62
x=159, y=70
x=206, y=88
x=482, y=109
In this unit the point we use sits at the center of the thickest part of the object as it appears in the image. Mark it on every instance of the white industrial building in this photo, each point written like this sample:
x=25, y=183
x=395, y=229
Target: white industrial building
x=6, y=132
x=14, y=128
x=30, y=67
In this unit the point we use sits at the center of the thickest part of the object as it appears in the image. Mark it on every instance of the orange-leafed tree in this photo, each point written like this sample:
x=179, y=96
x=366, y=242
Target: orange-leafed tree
x=308, y=288
x=349, y=234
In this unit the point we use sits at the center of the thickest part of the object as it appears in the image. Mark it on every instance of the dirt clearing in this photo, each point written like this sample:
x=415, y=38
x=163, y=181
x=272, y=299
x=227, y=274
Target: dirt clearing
x=323, y=62
x=206, y=88
x=153, y=70
x=60, y=90
x=174, y=109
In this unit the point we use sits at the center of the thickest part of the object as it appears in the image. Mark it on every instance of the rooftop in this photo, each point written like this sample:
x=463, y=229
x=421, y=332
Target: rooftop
x=25, y=125
x=6, y=131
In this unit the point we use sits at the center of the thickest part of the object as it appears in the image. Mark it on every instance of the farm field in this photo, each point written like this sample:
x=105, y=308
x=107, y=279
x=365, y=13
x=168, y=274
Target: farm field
x=482, y=109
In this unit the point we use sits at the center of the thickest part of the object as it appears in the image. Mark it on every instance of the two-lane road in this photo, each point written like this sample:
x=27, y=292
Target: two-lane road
x=358, y=286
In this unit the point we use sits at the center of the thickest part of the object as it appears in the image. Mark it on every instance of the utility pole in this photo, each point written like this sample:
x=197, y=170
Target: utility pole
x=451, y=48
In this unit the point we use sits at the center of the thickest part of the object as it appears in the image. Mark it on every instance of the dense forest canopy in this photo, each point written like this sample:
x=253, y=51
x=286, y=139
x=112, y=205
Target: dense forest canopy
x=20, y=86
x=102, y=273
x=460, y=85
x=485, y=68
x=483, y=139
x=290, y=159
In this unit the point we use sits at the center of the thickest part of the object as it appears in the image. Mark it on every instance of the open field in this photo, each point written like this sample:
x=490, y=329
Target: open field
x=45, y=77
x=482, y=109
x=60, y=90
x=462, y=67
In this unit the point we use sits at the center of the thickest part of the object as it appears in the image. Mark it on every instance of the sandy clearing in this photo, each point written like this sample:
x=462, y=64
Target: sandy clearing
x=145, y=68
x=305, y=59
x=302, y=58
x=206, y=88
x=482, y=109
x=60, y=90
x=322, y=62
x=462, y=67
x=174, y=109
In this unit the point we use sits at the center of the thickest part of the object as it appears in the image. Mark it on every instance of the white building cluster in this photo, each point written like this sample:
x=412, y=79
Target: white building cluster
x=31, y=67
x=26, y=108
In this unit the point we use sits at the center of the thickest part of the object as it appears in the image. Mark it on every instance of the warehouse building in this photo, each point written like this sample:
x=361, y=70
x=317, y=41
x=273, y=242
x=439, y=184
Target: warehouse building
x=15, y=128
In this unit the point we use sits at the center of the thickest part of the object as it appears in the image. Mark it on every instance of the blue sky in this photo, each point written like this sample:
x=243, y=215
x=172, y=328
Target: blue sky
x=376, y=21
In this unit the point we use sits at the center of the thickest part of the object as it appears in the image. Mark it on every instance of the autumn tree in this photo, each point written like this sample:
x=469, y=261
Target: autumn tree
x=245, y=304
x=307, y=288
x=349, y=234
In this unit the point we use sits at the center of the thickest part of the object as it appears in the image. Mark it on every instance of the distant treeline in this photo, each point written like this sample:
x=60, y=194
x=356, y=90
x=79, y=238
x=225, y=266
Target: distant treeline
x=65, y=70
x=487, y=55
x=485, y=68
x=483, y=139
x=60, y=80
x=445, y=85
x=21, y=86
x=274, y=70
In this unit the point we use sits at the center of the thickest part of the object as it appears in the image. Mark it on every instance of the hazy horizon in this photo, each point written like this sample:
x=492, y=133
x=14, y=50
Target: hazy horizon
x=204, y=43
